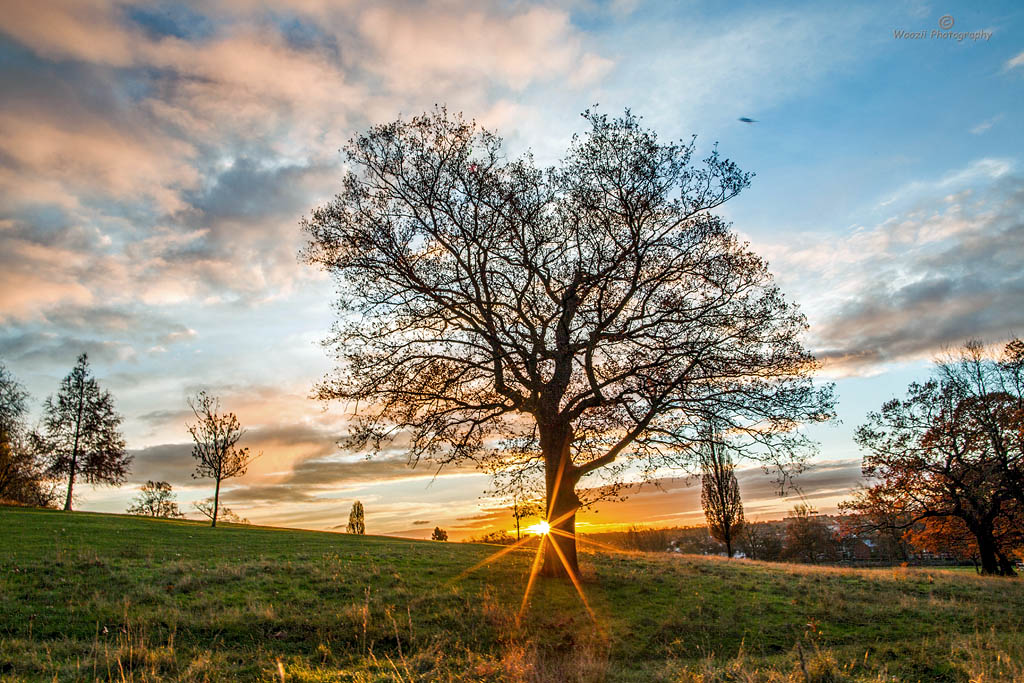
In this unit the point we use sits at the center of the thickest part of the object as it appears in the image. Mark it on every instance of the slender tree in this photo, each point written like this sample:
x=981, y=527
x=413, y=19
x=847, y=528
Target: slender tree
x=81, y=436
x=356, y=521
x=215, y=436
x=720, y=492
x=156, y=499
x=594, y=313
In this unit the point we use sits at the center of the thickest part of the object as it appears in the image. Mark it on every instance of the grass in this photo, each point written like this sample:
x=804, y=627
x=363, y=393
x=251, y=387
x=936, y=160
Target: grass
x=87, y=596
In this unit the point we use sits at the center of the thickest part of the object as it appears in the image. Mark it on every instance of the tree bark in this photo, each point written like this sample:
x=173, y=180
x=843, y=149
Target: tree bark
x=987, y=555
x=216, y=501
x=560, y=479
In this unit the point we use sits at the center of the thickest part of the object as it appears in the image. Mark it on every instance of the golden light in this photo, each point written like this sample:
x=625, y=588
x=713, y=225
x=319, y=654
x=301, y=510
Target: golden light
x=540, y=528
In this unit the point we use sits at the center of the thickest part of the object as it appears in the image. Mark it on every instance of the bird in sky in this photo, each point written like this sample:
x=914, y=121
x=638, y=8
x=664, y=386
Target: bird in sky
x=747, y=119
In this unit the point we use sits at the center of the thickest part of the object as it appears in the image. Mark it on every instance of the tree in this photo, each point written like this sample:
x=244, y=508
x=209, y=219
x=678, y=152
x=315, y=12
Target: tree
x=81, y=434
x=224, y=513
x=13, y=403
x=876, y=512
x=439, y=534
x=761, y=541
x=951, y=449
x=22, y=479
x=215, y=450
x=593, y=314
x=808, y=538
x=720, y=492
x=156, y=499
x=356, y=522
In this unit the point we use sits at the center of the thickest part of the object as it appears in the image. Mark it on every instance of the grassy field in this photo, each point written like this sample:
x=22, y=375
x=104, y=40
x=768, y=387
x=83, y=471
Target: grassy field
x=87, y=596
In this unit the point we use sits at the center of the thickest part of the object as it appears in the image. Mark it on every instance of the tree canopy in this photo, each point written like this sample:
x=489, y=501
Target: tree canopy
x=81, y=435
x=951, y=451
x=583, y=319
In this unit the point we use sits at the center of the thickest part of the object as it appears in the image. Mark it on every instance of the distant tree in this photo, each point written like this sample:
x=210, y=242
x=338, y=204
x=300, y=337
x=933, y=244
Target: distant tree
x=224, y=513
x=499, y=537
x=81, y=434
x=156, y=499
x=439, y=534
x=356, y=521
x=761, y=541
x=808, y=537
x=22, y=477
x=720, y=492
x=13, y=403
x=215, y=449
x=876, y=513
x=598, y=311
x=953, y=447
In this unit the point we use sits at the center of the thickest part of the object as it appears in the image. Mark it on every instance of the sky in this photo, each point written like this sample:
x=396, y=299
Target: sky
x=156, y=159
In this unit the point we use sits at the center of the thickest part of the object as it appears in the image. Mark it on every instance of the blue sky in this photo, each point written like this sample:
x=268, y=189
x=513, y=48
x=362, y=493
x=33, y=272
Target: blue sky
x=155, y=159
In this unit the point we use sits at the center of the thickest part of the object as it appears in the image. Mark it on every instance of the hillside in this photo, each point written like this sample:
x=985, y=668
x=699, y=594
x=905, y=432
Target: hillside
x=88, y=596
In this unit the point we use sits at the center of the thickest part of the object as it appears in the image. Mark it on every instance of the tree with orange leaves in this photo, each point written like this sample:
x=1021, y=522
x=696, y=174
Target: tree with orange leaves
x=951, y=451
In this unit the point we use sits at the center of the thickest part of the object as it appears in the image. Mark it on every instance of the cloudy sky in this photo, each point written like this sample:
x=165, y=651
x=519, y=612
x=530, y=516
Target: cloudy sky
x=156, y=158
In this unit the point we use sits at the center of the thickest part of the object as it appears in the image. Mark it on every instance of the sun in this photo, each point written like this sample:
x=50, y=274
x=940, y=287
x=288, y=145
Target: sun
x=540, y=528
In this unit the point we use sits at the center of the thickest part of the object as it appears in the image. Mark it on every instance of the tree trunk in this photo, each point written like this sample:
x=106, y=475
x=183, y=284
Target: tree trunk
x=1005, y=566
x=987, y=555
x=71, y=486
x=728, y=545
x=216, y=501
x=74, y=450
x=560, y=479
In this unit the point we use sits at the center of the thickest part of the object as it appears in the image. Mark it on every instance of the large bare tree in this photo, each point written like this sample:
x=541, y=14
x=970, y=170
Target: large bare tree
x=584, y=319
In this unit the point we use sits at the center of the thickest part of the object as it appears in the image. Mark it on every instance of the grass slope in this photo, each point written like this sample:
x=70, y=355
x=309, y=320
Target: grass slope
x=88, y=596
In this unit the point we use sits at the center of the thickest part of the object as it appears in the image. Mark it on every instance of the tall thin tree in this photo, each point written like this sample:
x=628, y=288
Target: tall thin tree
x=720, y=491
x=356, y=519
x=215, y=449
x=81, y=436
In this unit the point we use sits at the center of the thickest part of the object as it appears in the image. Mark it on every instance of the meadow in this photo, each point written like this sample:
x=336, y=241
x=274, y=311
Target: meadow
x=87, y=596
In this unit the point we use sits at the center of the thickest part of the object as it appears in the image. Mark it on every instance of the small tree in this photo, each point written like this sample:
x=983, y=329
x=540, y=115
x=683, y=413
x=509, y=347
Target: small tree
x=808, y=538
x=216, y=437
x=761, y=541
x=356, y=523
x=81, y=434
x=720, y=492
x=224, y=513
x=156, y=500
x=439, y=534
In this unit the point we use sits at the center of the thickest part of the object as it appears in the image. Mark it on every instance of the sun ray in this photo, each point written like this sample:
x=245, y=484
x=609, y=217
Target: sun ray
x=575, y=582
x=534, y=570
x=580, y=539
x=492, y=558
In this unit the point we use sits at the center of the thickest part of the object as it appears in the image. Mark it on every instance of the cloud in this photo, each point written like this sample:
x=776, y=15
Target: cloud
x=985, y=125
x=944, y=268
x=1015, y=61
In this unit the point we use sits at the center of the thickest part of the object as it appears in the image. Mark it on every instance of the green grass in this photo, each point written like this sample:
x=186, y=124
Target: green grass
x=88, y=596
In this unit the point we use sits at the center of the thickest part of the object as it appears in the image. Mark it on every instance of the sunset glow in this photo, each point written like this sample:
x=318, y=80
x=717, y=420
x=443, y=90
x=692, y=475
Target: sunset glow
x=156, y=160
